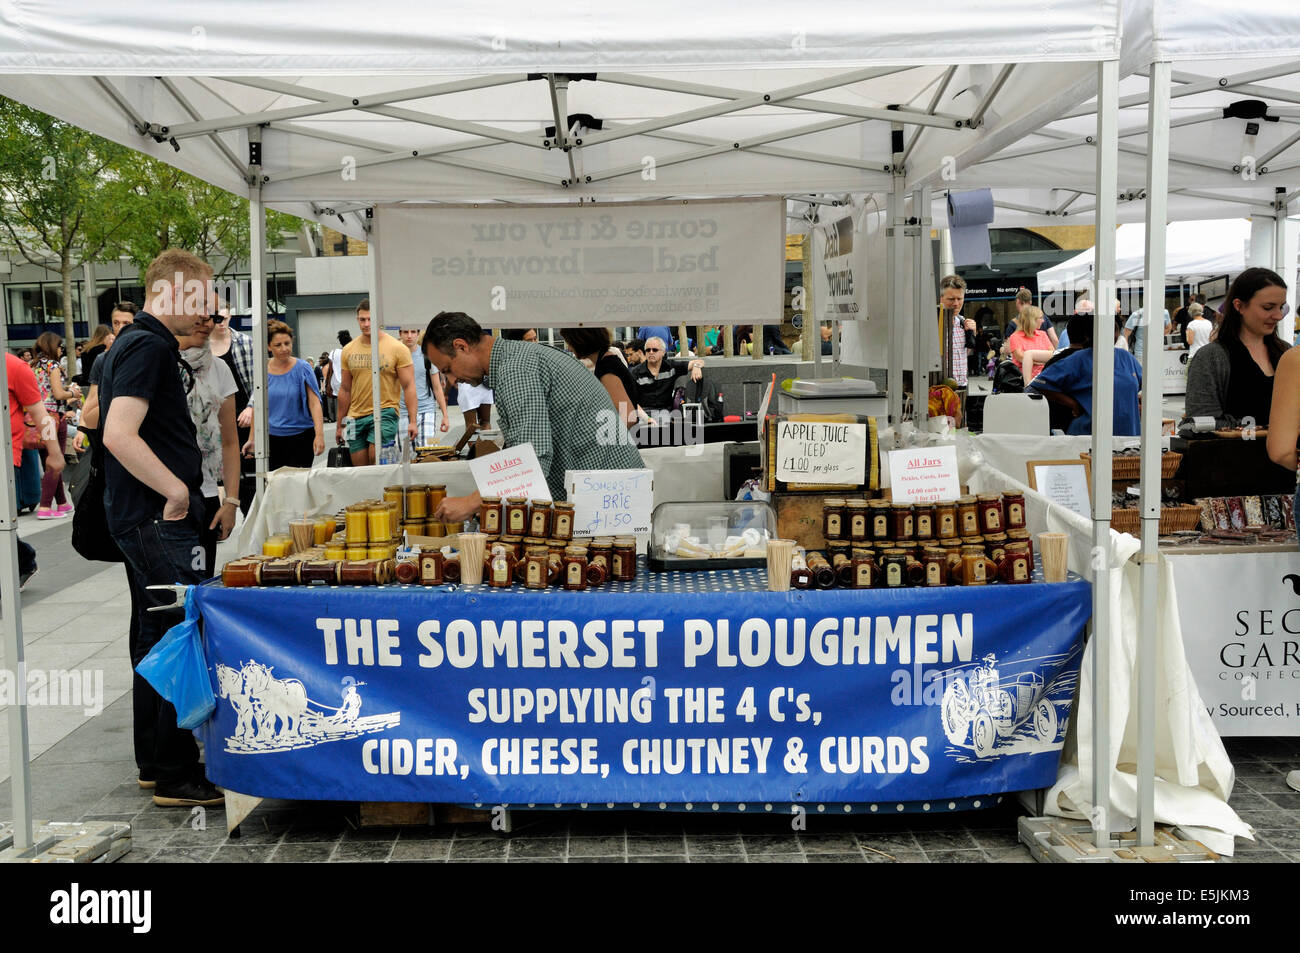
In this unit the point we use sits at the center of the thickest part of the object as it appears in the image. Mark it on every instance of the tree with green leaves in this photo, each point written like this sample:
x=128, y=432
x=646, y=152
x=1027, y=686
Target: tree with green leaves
x=63, y=197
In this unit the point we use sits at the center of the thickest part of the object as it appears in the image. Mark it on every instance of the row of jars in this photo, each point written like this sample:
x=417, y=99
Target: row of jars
x=858, y=567
x=417, y=503
x=574, y=565
x=264, y=571
x=882, y=520
x=516, y=516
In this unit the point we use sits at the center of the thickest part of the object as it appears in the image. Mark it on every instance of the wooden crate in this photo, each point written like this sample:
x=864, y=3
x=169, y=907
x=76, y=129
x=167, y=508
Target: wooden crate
x=799, y=515
x=394, y=814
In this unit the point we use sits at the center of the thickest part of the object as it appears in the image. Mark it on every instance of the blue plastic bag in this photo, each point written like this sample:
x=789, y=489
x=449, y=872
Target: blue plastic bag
x=178, y=671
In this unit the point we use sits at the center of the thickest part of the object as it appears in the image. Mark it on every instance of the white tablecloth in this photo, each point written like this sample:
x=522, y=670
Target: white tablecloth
x=681, y=473
x=1194, y=776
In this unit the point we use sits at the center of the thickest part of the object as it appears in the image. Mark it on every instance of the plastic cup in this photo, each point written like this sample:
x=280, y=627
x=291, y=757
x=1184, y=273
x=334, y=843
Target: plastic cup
x=1054, y=550
x=471, y=547
x=779, y=555
x=302, y=531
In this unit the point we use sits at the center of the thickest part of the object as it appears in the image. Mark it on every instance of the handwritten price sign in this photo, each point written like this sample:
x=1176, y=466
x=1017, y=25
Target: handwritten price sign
x=610, y=502
x=927, y=475
x=813, y=452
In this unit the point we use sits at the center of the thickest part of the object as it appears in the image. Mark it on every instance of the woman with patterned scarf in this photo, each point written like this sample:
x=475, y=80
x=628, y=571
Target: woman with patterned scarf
x=210, y=389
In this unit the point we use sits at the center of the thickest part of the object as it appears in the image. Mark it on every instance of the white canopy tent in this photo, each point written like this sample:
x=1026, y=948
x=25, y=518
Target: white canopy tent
x=1194, y=249
x=324, y=114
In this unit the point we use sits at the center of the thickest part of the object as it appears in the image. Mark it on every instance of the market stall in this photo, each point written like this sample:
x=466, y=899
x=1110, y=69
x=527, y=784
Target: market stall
x=279, y=140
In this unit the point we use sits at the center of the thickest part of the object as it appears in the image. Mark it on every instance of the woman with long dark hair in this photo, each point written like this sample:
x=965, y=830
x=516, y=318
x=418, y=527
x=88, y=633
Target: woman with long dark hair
x=49, y=376
x=594, y=345
x=1231, y=378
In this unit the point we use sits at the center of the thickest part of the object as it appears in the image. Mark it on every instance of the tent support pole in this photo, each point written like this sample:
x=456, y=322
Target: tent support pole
x=897, y=276
x=925, y=310
x=376, y=329
x=19, y=750
x=257, y=302
x=1153, y=306
x=1103, y=372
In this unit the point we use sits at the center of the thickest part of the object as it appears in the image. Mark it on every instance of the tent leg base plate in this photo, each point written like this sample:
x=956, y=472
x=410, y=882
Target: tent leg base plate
x=68, y=842
x=1059, y=840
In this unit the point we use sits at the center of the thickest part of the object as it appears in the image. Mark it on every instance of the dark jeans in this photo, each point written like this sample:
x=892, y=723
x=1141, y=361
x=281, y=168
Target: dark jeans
x=159, y=552
x=26, y=558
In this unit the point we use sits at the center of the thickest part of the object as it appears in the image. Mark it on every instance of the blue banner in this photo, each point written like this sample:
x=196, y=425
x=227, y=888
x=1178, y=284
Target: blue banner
x=475, y=696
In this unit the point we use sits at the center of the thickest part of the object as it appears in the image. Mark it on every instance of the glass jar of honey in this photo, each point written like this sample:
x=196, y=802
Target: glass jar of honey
x=991, y=516
x=435, y=494
x=516, y=517
x=379, y=520
x=356, y=553
x=322, y=530
x=902, y=519
x=879, y=527
x=394, y=494
x=833, y=518
x=1014, y=506
x=855, y=514
x=562, y=521
x=539, y=518
x=417, y=502
x=336, y=552
x=968, y=516
x=575, y=568
x=489, y=515
x=356, y=525
x=623, y=564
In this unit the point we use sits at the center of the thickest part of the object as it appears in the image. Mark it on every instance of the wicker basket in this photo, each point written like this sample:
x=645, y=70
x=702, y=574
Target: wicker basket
x=1129, y=466
x=1173, y=519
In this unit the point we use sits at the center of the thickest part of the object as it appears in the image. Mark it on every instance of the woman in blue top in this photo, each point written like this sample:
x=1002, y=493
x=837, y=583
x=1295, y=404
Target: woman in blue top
x=293, y=404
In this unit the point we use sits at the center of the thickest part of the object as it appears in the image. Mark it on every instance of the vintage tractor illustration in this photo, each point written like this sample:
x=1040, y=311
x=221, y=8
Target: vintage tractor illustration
x=983, y=708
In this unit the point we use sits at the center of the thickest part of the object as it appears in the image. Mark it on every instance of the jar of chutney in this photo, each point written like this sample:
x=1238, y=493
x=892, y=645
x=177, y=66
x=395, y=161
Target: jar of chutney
x=516, y=516
x=902, y=519
x=575, y=568
x=945, y=520
x=878, y=526
x=992, y=519
x=855, y=514
x=833, y=519
x=968, y=516
x=489, y=515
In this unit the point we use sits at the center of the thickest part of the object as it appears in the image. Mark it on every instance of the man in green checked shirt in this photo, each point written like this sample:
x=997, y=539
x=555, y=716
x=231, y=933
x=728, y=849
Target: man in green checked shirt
x=543, y=396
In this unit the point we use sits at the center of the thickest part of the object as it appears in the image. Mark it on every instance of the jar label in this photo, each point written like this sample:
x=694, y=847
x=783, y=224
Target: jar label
x=832, y=525
x=534, y=573
x=880, y=527
x=491, y=521
x=516, y=521
x=562, y=524
x=923, y=527
x=1016, y=514
x=618, y=566
x=858, y=525
x=575, y=574
x=907, y=526
x=970, y=524
x=994, y=518
x=946, y=525
x=893, y=575
x=539, y=524
x=932, y=576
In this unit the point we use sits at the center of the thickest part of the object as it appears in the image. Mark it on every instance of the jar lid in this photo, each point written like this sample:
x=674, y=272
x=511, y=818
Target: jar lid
x=859, y=504
x=516, y=500
x=832, y=502
x=532, y=541
x=603, y=542
x=575, y=551
x=874, y=504
x=624, y=540
x=861, y=553
x=490, y=499
x=969, y=498
x=536, y=552
x=512, y=540
x=901, y=506
x=990, y=497
x=541, y=504
x=563, y=505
